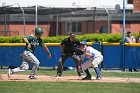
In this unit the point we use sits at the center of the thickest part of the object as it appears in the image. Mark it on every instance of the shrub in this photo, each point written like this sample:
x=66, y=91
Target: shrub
x=17, y=39
x=58, y=39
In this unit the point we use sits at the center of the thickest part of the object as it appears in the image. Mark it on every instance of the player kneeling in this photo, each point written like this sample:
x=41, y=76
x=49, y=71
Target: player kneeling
x=94, y=59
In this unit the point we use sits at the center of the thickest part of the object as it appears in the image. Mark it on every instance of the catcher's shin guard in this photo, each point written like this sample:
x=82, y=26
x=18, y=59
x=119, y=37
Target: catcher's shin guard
x=59, y=69
x=79, y=70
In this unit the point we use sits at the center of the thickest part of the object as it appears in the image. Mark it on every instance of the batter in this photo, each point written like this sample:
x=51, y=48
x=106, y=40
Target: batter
x=27, y=56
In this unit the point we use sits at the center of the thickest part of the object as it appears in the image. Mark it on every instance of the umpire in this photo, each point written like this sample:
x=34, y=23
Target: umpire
x=68, y=46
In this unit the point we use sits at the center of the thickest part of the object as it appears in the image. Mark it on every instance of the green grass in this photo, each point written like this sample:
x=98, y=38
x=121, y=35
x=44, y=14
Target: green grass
x=71, y=87
x=104, y=73
x=68, y=87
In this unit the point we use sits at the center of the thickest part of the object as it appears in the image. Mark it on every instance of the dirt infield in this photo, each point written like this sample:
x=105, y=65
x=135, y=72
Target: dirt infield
x=43, y=78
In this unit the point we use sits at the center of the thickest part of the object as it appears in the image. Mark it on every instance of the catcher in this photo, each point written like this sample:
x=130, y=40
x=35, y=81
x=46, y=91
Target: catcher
x=94, y=59
x=27, y=56
x=69, y=49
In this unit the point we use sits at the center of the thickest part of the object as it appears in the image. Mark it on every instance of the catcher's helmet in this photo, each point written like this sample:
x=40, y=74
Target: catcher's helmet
x=84, y=43
x=38, y=31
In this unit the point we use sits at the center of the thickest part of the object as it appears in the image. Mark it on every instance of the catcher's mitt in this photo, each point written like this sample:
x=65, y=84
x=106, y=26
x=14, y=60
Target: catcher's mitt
x=79, y=51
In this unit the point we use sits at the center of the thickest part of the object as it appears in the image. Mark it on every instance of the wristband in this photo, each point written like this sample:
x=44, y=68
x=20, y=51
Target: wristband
x=48, y=52
x=28, y=43
x=93, y=54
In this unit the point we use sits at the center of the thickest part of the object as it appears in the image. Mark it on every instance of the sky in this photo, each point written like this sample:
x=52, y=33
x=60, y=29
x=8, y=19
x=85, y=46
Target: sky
x=63, y=3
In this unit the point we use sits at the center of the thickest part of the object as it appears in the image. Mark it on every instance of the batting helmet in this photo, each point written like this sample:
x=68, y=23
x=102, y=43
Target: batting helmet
x=38, y=31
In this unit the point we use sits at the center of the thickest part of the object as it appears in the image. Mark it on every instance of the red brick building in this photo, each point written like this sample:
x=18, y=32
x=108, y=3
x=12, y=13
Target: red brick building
x=136, y=4
x=80, y=22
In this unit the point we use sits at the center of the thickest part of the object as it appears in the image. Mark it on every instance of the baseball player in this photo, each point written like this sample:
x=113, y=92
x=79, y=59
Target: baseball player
x=94, y=59
x=27, y=56
x=68, y=47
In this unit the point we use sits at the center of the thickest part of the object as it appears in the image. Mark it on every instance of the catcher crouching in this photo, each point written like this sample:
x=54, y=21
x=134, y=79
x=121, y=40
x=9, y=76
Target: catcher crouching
x=94, y=59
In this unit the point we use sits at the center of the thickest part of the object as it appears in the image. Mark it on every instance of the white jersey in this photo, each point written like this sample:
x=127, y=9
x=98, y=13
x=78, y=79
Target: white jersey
x=130, y=39
x=92, y=61
x=92, y=50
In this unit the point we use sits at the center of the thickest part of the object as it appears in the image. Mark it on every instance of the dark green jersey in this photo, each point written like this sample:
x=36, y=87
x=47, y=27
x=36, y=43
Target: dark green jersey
x=34, y=43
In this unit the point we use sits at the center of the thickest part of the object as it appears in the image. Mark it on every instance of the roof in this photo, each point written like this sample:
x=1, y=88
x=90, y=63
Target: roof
x=41, y=10
x=49, y=14
x=61, y=3
x=93, y=11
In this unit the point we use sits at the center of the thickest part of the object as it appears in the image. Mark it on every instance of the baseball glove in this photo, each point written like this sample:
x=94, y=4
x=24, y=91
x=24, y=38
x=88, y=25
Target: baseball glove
x=79, y=51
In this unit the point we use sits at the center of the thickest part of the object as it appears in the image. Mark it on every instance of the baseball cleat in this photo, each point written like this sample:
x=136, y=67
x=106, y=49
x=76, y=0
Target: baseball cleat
x=10, y=72
x=58, y=74
x=87, y=78
x=32, y=77
x=98, y=78
x=80, y=74
x=81, y=77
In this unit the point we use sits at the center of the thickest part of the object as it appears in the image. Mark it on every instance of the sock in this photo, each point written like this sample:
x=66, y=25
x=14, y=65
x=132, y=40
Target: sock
x=97, y=71
x=87, y=72
x=17, y=70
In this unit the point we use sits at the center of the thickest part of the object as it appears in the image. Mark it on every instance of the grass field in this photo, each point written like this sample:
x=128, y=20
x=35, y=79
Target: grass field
x=67, y=87
x=71, y=87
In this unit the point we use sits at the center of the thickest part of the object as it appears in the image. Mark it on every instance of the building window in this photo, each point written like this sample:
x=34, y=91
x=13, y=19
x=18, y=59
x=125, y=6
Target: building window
x=130, y=1
x=73, y=27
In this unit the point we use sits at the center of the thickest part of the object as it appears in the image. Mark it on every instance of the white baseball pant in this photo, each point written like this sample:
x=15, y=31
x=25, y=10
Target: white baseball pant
x=92, y=62
x=28, y=57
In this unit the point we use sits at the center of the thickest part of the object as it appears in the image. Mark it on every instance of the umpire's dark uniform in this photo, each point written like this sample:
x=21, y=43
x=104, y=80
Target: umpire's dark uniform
x=68, y=50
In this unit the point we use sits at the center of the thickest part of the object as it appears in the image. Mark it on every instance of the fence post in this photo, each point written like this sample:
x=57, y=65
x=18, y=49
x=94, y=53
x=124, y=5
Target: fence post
x=122, y=45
